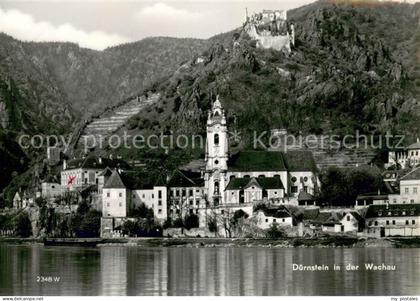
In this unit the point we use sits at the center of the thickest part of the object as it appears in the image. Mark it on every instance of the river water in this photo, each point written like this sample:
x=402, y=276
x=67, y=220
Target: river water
x=122, y=270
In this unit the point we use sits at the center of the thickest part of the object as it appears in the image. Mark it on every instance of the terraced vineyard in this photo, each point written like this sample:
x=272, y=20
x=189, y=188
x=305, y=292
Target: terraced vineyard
x=113, y=119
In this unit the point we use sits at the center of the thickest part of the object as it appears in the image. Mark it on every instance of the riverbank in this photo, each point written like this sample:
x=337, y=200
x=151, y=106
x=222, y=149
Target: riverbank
x=320, y=242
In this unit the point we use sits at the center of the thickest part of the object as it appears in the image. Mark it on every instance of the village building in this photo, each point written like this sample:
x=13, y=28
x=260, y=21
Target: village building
x=393, y=220
x=186, y=194
x=266, y=217
x=79, y=173
x=124, y=192
x=410, y=188
x=51, y=190
x=405, y=158
x=408, y=191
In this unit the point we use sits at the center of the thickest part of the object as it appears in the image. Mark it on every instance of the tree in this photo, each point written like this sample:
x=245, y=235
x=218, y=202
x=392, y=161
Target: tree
x=191, y=221
x=23, y=226
x=274, y=232
x=90, y=224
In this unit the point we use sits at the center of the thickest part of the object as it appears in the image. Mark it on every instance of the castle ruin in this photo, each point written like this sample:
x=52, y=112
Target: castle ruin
x=271, y=30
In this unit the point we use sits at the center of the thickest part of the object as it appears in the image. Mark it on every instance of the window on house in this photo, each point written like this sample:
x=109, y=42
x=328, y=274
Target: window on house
x=274, y=220
x=177, y=192
x=160, y=194
x=406, y=190
x=387, y=222
x=266, y=220
x=348, y=218
x=191, y=192
x=120, y=194
x=415, y=190
x=160, y=211
x=283, y=220
x=376, y=223
x=191, y=203
x=393, y=222
x=107, y=204
x=120, y=204
x=184, y=192
x=412, y=201
x=294, y=179
x=153, y=195
x=413, y=222
x=294, y=189
x=159, y=203
x=108, y=194
x=197, y=202
x=406, y=222
x=86, y=181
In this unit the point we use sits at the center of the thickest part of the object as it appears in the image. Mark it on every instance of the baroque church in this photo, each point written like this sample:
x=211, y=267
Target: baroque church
x=249, y=176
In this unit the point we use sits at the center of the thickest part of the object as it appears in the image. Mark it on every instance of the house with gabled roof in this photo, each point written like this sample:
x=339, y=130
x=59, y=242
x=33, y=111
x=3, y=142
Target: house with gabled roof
x=125, y=191
x=266, y=217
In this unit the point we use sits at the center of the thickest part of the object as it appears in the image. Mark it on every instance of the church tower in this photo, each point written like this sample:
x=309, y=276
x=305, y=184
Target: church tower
x=216, y=154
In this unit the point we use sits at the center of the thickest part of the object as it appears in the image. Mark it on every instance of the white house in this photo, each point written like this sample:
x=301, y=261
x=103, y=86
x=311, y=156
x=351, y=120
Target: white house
x=405, y=158
x=352, y=222
x=124, y=192
x=393, y=220
x=268, y=216
x=410, y=188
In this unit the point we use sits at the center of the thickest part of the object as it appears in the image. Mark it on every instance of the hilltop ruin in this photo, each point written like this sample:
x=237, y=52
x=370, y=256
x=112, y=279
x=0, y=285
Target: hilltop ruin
x=271, y=30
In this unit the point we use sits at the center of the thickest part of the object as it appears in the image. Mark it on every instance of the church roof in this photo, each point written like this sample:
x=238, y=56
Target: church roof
x=263, y=182
x=413, y=175
x=297, y=160
x=257, y=161
x=184, y=178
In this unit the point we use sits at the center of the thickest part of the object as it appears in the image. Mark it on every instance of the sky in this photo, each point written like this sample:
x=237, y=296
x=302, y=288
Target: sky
x=98, y=24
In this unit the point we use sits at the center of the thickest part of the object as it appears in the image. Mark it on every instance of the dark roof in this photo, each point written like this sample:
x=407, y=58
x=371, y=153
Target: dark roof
x=106, y=172
x=300, y=161
x=115, y=181
x=396, y=210
x=324, y=218
x=275, y=212
x=372, y=196
x=357, y=216
x=184, y=178
x=413, y=175
x=415, y=145
x=257, y=161
x=131, y=180
x=263, y=182
x=93, y=162
x=304, y=196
